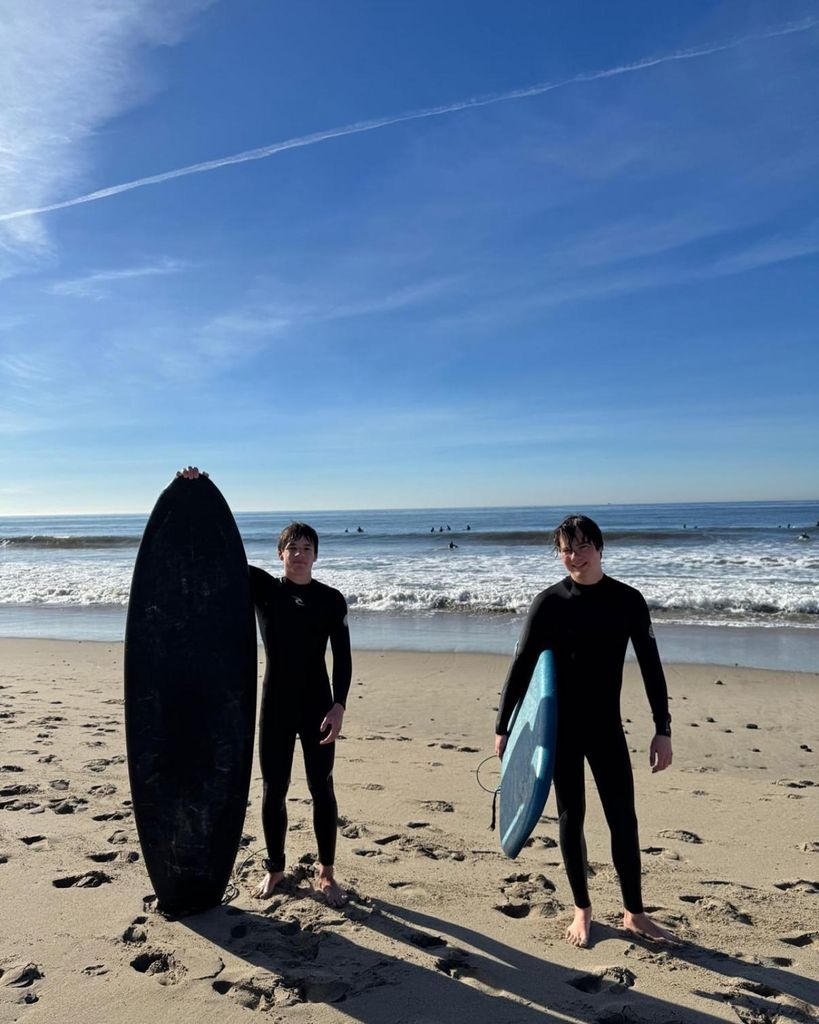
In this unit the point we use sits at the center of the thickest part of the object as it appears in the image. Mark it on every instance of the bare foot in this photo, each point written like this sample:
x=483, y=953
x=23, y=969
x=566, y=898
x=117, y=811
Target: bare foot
x=642, y=925
x=271, y=880
x=331, y=890
x=577, y=934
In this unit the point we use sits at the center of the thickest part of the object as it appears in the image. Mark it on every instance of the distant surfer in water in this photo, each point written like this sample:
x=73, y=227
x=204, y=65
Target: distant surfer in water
x=297, y=615
x=587, y=620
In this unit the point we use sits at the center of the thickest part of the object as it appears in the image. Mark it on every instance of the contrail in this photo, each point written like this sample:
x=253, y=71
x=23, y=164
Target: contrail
x=359, y=127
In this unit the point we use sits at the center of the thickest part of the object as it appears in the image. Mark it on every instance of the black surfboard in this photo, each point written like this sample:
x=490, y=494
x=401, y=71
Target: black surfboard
x=190, y=694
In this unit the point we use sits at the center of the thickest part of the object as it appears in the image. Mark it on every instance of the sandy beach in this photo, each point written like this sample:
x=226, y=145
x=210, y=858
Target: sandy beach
x=440, y=925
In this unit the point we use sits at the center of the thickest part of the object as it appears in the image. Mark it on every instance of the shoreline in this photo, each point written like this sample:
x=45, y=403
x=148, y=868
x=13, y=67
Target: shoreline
x=775, y=648
x=438, y=917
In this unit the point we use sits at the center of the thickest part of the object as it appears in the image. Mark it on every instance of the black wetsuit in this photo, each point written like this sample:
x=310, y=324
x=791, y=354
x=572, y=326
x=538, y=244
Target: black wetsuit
x=296, y=621
x=588, y=629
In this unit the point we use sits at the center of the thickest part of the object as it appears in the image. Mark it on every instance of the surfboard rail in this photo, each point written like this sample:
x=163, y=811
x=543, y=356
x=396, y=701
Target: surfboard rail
x=528, y=761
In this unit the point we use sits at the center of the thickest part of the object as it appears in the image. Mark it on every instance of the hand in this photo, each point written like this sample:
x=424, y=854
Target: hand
x=659, y=754
x=190, y=473
x=500, y=745
x=332, y=721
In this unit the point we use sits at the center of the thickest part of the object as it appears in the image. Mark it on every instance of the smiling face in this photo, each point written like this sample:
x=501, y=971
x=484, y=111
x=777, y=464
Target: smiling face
x=298, y=556
x=583, y=561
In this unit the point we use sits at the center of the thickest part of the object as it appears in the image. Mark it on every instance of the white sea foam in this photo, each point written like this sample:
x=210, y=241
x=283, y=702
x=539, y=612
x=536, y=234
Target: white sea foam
x=730, y=573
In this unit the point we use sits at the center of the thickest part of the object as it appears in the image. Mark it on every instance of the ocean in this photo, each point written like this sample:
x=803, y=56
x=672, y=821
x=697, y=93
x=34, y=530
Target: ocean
x=727, y=583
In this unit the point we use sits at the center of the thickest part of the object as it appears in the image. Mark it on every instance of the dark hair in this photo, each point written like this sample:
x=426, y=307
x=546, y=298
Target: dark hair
x=576, y=526
x=298, y=531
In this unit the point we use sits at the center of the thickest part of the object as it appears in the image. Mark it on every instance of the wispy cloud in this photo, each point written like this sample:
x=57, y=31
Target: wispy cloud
x=296, y=309
x=359, y=127
x=96, y=285
x=23, y=372
x=769, y=251
x=67, y=68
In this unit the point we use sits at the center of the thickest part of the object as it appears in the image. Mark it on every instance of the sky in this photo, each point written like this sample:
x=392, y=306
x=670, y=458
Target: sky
x=408, y=253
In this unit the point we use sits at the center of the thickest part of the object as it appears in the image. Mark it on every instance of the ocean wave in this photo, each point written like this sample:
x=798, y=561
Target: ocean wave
x=779, y=609
x=68, y=542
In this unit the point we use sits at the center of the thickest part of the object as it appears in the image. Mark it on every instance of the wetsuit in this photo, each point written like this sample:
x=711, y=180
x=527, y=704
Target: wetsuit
x=588, y=629
x=296, y=621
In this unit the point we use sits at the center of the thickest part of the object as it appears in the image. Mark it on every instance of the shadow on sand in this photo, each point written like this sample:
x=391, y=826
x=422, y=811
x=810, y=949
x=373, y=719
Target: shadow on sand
x=428, y=969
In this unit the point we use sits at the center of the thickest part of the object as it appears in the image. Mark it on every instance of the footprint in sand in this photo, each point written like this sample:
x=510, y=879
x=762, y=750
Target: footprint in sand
x=386, y=840
x=611, y=980
x=800, y=938
x=525, y=893
x=774, y=961
x=88, y=880
x=438, y=805
x=121, y=856
x=21, y=805
x=424, y=940
x=757, y=1003
x=542, y=842
x=101, y=763
x=720, y=911
x=135, y=933
x=159, y=964
x=120, y=836
x=104, y=789
x=11, y=768
x=25, y=978
x=40, y=842
x=430, y=850
x=112, y=816
x=514, y=910
x=799, y=884
x=70, y=805
x=454, y=963
x=19, y=789
x=257, y=993
x=680, y=834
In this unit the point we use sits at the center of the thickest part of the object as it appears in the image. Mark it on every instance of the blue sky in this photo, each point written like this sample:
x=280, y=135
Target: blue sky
x=439, y=253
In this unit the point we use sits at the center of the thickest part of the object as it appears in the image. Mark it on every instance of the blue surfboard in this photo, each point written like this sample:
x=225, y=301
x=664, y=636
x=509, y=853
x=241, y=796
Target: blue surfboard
x=529, y=758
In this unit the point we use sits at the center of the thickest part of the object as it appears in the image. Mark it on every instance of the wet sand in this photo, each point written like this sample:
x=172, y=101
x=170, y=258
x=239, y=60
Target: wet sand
x=440, y=925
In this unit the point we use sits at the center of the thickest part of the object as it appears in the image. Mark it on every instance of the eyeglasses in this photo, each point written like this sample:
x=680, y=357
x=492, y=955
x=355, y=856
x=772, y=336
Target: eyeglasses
x=578, y=549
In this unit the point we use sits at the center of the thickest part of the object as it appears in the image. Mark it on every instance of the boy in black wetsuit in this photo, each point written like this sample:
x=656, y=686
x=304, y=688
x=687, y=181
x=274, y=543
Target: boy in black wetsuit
x=587, y=620
x=297, y=615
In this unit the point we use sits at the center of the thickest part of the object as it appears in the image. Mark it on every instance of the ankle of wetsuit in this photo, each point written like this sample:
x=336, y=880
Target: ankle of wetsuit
x=272, y=866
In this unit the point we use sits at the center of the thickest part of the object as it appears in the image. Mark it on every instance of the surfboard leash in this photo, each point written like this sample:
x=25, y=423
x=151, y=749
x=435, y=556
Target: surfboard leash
x=495, y=792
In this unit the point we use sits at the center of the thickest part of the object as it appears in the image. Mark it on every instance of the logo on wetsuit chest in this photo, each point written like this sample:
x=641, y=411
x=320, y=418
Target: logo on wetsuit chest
x=299, y=602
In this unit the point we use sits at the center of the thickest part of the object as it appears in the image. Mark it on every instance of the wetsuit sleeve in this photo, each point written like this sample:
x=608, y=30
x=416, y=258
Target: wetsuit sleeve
x=342, y=657
x=257, y=582
x=648, y=658
x=533, y=640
